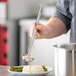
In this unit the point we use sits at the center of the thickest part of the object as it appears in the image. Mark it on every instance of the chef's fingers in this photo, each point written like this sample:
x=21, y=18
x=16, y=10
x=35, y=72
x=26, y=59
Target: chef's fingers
x=38, y=36
x=39, y=27
x=33, y=27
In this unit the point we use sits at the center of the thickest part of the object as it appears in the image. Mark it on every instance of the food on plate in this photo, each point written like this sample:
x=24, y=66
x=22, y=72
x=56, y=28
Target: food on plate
x=33, y=69
x=15, y=68
x=45, y=69
x=29, y=69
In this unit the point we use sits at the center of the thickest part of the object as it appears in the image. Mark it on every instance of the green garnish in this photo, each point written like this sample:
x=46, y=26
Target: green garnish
x=45, y=69
x=17, y=69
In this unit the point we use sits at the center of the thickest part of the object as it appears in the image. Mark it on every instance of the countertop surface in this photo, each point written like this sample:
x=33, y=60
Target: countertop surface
x=4, y=72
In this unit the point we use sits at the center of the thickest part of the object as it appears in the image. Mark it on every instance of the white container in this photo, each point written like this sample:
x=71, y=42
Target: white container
x=65, y=59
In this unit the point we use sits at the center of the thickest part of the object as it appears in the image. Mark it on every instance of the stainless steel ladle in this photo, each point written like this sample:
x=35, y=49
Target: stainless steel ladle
x=28, y=57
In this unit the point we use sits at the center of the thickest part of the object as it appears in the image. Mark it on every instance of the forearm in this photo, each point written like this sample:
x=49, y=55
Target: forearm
x=55, y=27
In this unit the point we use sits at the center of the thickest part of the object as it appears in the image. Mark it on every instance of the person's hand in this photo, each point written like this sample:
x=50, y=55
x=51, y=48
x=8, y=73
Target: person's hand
x=53, y=28
x=41, y=31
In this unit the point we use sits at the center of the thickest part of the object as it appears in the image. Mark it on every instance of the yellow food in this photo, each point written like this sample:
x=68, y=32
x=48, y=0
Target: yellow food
x=32, y=69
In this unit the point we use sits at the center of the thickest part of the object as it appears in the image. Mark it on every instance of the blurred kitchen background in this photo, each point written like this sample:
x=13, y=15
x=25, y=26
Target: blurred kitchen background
x=16, y=17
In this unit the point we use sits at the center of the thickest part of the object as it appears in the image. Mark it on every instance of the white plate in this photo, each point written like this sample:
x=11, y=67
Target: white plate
x=35, y=74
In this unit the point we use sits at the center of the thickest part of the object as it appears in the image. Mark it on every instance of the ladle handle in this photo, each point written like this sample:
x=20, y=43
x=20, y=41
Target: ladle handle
x=37, y=23
x=39, y=15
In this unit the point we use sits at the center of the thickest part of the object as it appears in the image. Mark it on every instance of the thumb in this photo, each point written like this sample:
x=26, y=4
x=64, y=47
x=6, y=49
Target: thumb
x=39, y=27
